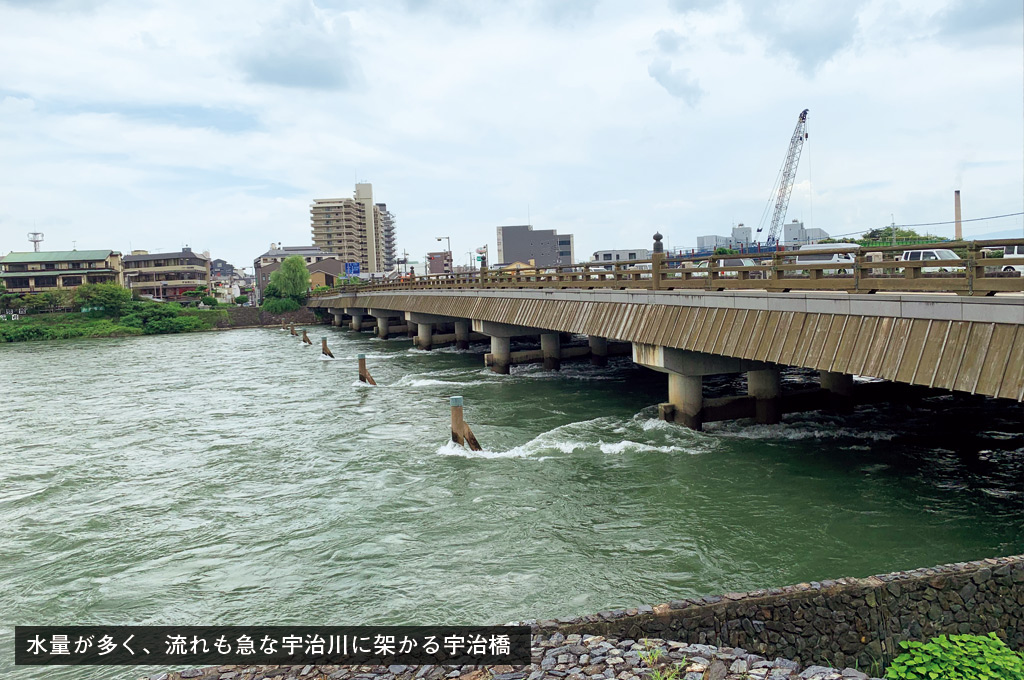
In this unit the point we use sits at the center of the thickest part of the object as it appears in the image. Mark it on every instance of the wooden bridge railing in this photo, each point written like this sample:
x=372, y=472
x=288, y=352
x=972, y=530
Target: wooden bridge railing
x=874, y=269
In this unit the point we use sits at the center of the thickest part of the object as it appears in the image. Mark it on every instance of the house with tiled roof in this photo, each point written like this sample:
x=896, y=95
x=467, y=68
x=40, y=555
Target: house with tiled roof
x=39, y=272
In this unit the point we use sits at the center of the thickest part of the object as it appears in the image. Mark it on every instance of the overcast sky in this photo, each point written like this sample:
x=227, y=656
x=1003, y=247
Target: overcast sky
x=153, y=124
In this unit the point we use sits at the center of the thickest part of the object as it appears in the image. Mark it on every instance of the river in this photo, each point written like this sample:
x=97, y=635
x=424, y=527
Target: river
x=238, y=478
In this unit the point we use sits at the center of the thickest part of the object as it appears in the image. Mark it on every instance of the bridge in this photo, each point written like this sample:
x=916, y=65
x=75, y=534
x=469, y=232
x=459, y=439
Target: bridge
x=959, y=327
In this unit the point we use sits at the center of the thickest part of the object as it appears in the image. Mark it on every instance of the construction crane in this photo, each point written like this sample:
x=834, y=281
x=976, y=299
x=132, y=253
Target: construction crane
x=784, y=184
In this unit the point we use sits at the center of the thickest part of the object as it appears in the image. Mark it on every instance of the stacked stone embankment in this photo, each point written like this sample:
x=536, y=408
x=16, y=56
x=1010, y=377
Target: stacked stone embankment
x=842, y=622
x=842, y=629
x=564, y=657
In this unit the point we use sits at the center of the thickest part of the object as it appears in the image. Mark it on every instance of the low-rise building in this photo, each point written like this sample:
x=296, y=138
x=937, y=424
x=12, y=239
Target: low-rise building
x=547, y=248
x=606, y=256
x=166, y=276
x=439, y=262
x=39, y=272
x=794, y=234
x=270, y=261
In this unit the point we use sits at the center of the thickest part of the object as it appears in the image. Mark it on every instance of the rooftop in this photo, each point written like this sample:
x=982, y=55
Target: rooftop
x=57, y=256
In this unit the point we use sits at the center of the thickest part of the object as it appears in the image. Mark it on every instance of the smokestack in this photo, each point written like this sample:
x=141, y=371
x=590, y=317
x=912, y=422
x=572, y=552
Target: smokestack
x=958, y=234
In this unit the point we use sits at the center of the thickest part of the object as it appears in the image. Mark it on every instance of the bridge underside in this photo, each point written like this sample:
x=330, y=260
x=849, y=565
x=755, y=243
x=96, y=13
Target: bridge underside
x=949, y=342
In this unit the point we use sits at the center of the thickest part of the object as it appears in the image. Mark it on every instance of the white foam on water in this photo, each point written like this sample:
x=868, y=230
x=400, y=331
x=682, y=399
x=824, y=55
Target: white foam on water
x=606, y=435
x=793, y=431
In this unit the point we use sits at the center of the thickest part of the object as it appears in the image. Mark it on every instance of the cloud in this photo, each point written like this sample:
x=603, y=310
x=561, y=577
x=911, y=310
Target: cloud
x=811, y=33
x=567, y=13
x=970, y=19
x=303, y=50
x=677, y=82
x=668, y=41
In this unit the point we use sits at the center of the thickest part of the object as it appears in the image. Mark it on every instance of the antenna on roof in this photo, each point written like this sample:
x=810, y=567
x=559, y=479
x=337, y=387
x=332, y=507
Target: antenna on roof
x=36, y=238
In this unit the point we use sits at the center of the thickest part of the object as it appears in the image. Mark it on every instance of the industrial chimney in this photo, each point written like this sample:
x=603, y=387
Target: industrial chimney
x=958, y=234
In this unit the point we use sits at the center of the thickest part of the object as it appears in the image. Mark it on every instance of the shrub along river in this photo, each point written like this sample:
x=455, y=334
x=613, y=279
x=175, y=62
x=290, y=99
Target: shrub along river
x=238, y=478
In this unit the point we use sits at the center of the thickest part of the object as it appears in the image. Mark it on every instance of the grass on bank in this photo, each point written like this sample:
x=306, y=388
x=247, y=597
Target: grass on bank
x=137, y=318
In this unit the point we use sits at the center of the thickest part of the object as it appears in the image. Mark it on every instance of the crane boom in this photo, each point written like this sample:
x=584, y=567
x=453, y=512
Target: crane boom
x=786, y=177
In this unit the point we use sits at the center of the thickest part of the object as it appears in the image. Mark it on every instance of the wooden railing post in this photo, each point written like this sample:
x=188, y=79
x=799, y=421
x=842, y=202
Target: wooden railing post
x=657, y=263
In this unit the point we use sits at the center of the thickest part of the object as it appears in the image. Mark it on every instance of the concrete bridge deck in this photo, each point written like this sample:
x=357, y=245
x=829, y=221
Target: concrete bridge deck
x=967, y=344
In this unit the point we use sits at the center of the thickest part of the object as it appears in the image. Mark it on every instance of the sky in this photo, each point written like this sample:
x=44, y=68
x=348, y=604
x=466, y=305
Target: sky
x=156, y=124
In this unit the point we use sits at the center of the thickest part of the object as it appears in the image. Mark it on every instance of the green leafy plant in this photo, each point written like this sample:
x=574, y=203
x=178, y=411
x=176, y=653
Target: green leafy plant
x=957, y=657
x=660, y=670
x=280, y=305
x=208, y=300
x=241, y=299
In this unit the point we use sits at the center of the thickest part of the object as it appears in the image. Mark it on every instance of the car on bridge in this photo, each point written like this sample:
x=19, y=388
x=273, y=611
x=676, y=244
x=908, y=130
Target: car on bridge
x=807, y=255
x=702, y=266
x=937, y=255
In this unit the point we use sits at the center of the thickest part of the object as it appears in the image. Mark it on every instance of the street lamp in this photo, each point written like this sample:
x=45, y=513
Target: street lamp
x=447, y=269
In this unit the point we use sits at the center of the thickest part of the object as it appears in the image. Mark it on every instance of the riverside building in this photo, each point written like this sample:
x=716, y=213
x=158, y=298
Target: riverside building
x=38, y=272
x=166, y=276
x=356, y=228
x=522, y=243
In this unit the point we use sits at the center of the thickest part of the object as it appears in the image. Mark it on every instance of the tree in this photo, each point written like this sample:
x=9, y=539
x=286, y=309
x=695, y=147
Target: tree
x=241, y=299
x=292, y=279
x=110, y=296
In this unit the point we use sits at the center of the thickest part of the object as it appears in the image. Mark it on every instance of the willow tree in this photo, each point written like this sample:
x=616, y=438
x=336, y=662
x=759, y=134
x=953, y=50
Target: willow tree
x=292, y=279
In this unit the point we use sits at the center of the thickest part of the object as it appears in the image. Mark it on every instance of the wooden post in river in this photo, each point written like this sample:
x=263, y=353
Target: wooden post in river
x=364, y=375
x=461, y=433
x=305, y=337
x=293, y=329
x=323, y=347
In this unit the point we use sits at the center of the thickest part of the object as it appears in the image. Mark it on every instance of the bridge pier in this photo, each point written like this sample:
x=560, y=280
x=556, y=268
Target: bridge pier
x=551, y=349
x=501, y=354
x=337, y=317
x=598, y=350
x=424, y=335
x=462, y=331
x=765, y=386
x=685, y=401
x=840, y=390
x=357, y=322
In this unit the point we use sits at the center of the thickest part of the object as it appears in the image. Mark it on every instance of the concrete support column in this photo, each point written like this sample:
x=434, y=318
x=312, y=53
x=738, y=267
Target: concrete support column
x=685, y=400
x=462, y=329
x=551, y=348
x=336, y=318
x=357, y=322
x=501, y=354
x=598, y=350
x=840, y=388
x=382, y=327
x=424, y=335
x=765, y=386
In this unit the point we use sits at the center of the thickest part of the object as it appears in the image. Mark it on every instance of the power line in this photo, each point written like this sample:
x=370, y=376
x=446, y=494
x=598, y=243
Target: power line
x=929, y=224
x=976, y=219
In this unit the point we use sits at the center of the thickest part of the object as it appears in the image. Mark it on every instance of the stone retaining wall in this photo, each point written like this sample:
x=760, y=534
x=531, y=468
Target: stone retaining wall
x=842, y=622
x=241, y=317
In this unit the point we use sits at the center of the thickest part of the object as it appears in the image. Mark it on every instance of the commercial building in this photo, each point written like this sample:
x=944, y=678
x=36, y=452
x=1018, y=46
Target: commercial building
x=356, y=229
x=271, y=260
x=794, y=234
x=544, y=246
x=166, y=276
x=620, y=255
x=38, y=272
x=439, y=263
x=739, y=240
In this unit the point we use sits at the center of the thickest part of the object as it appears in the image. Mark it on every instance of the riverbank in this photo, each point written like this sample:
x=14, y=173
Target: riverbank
x=563, y=657
x=68, y=325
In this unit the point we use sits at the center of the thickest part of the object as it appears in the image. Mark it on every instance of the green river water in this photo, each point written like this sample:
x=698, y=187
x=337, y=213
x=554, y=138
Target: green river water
x=237, y=478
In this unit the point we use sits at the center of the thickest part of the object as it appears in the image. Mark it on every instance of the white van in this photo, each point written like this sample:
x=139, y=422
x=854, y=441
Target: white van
x=808, y=255
x=936, y=255
x=1013, y=251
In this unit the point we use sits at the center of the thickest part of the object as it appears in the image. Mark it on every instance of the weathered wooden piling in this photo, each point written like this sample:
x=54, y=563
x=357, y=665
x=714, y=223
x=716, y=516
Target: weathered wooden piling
x=324, y=349
x=292, y=327
x=364, y=375
x=305, y=337
x=461, y=432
